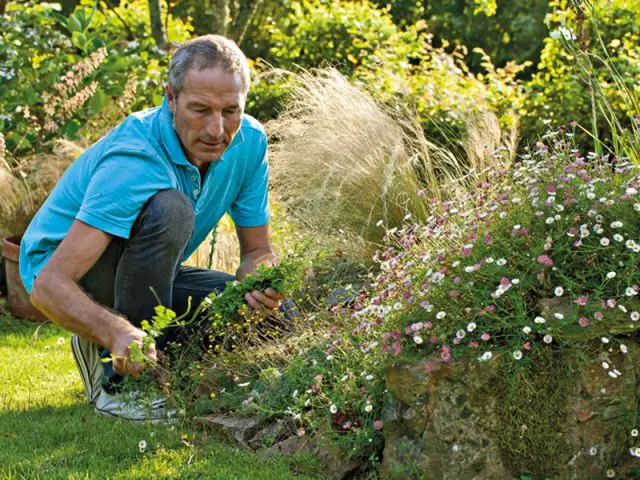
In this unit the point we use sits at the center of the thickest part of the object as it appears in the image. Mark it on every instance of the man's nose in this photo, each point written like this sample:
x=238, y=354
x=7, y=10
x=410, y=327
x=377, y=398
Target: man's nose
x=214, y=125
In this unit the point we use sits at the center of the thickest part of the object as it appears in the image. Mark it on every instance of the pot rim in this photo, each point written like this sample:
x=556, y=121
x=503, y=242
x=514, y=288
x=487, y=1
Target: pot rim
x=11, y=248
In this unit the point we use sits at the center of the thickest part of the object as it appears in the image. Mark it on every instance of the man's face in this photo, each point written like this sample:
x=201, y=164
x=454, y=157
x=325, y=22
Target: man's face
x=207, y=113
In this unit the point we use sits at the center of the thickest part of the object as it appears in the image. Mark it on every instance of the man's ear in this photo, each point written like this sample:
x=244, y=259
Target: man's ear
x=171, y=97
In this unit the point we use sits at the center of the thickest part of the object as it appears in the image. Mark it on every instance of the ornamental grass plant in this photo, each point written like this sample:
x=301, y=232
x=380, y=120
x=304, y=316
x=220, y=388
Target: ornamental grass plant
x=25, y=183
x=343, y=161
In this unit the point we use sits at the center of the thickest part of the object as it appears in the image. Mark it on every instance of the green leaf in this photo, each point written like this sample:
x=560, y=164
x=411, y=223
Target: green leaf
x=73, y=24
x=61, y=19
x=79, y=40
x=98, y=101
x=120, y=63
x=70, y=128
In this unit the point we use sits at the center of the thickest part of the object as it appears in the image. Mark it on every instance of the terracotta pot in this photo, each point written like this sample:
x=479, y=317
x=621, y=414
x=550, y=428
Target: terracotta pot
x=19, y=303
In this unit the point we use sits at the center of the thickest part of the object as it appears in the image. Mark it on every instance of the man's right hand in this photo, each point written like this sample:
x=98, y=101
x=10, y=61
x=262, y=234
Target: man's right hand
x=121, y=352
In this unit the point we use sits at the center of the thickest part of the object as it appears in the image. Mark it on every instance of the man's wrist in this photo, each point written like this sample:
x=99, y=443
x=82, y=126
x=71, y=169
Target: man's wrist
x=252, y=260
x=119, y=328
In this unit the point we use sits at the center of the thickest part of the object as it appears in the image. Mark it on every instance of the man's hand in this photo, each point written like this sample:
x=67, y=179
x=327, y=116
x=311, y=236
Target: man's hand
x=121, y=352
x=255, y=250
x=269, y=299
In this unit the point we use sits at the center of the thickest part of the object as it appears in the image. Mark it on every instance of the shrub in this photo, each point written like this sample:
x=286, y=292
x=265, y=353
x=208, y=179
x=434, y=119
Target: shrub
x=588, y=71
x=395, y=66
x=503, y=269
x=347, y=35
x=83, y=67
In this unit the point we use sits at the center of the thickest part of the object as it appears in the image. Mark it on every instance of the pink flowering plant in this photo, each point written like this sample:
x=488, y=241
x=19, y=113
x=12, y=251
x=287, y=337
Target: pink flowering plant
x=538, y=259
x=543, y=255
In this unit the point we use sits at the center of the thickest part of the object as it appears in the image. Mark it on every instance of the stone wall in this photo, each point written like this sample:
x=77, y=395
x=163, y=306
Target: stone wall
x=470, y=420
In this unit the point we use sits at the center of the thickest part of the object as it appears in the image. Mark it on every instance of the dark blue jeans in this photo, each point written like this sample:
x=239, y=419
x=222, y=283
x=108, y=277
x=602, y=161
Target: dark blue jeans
x=135, y=275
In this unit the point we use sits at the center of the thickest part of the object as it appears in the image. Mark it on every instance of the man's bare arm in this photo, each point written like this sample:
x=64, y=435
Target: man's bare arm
x=57, y=293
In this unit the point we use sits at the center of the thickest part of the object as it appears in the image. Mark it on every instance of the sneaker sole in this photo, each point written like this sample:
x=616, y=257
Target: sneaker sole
x=154, y=421
x=81, y=363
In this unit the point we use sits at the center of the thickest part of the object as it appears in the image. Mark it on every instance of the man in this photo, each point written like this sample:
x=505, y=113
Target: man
x=113, y=232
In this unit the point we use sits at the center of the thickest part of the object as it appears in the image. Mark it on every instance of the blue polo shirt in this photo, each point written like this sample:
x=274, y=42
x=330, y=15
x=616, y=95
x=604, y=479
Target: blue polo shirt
x=107, y=186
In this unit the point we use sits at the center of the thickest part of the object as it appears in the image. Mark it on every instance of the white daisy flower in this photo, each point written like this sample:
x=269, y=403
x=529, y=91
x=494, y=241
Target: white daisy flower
x=486, y=356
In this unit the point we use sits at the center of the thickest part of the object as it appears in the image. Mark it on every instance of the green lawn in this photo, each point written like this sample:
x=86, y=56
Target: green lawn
x=48, y=431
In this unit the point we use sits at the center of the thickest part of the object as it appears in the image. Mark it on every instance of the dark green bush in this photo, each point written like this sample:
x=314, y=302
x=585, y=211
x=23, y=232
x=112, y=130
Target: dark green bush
x=60, y=74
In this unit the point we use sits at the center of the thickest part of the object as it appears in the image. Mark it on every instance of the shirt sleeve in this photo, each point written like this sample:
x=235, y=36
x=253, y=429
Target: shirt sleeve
x=118, y=189
x=251, y=206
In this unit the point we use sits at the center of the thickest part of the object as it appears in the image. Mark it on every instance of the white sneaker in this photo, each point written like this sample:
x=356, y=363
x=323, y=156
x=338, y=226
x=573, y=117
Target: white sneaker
x=129, y=407
x=87, y=357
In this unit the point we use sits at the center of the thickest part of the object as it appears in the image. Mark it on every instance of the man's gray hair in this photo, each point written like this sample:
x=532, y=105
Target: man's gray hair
x=208, y=51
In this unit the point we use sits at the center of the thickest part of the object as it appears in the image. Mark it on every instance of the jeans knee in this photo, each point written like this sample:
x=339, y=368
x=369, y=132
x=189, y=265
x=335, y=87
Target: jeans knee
x=169, y=213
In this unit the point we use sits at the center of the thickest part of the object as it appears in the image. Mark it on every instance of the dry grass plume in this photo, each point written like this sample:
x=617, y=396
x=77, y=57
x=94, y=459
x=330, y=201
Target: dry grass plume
x=25, y=184
x=343, y=161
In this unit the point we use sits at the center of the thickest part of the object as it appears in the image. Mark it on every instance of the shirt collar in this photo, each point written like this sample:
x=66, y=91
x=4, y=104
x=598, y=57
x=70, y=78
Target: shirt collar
x=171, y=141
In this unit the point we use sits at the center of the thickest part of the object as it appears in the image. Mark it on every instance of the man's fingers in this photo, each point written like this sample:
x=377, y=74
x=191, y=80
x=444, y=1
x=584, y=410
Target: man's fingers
x=261, y=300
x=273, y=293
x=252, y=302
x=152, y=354
x=118, y=366
x=124, y=366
